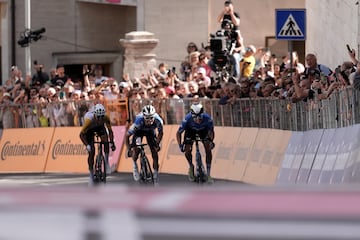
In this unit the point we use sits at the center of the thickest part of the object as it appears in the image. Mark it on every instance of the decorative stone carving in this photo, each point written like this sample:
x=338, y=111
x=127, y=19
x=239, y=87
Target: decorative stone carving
x=139, y=57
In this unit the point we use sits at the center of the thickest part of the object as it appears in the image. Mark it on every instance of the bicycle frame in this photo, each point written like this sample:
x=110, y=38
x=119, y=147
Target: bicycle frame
x=200, y=174
x=146, y=174
x=100, y=168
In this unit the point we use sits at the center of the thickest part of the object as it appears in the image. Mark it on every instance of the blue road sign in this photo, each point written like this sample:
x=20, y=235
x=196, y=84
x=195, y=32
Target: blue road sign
x=291, y=24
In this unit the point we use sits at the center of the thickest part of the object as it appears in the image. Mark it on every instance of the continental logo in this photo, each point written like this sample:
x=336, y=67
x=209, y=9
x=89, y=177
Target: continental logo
x=67, y=148
x=17, y=149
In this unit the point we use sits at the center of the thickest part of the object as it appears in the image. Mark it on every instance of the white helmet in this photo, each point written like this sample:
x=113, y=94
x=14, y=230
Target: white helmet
x=196, y=109
x=99, y=110
x=148, y=111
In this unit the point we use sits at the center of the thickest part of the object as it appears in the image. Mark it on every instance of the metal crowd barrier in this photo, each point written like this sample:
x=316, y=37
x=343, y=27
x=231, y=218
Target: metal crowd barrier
x=341, y=109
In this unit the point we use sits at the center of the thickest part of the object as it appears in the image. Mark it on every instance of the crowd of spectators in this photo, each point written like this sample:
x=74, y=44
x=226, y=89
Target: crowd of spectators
x=260, y=74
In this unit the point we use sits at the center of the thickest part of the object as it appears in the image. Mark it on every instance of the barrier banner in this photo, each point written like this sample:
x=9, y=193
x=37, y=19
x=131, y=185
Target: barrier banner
x=320, y=156
x=173, y=160
x=279, y=142
x=295, y=150
x=331, y=155
x=68, y=154
x=342, y=154
x=25, y=149
x=259, y=169
x=312, y=141
x=353, y=165
x=225, y=148
x=244, y=145
x=254, y=172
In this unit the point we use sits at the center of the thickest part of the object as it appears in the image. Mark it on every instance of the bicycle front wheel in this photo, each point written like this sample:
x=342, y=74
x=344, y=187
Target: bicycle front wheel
x=146, y=172
x=101, y=168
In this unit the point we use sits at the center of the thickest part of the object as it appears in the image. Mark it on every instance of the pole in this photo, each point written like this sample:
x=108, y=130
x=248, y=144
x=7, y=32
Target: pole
x=28, y=26
x=290, y=46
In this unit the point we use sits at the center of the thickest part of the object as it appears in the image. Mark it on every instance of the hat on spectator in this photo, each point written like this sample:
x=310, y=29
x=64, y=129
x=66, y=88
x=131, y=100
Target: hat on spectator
x=202, y=71
x=123, y=85
x=77, y=92
x=170, y=90
x=252, y=48
x=51, y=91
x=6, y=94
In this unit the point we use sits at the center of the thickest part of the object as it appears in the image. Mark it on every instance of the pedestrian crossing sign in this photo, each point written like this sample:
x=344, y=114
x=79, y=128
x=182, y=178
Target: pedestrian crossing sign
x=290, y=24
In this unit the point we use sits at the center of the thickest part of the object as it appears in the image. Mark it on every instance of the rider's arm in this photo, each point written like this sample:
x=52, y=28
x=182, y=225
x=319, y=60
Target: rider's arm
x=182, y=128
x=108, y=126
x=211, y=132
x=159, y=126
x=84, y=130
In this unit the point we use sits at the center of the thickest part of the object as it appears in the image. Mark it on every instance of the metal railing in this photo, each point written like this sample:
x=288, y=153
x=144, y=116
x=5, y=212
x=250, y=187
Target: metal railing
x=341, y=109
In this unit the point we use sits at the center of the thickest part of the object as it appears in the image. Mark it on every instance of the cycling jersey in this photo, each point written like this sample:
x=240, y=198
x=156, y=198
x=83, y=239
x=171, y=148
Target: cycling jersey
x=139, y=125
x=189, y=124
x=92, y=126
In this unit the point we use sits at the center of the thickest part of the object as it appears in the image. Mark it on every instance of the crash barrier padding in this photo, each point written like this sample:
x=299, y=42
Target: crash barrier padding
x=311, y=142
x=265, y=156
x=251, y=155
x=50, y=150
x=68, y=154
x=25, y=149
x=352, y=173
x=243, y=145
x=328, y=156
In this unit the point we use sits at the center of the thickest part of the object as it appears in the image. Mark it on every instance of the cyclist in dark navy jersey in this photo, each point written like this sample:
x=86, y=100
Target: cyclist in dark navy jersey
x=200, y=123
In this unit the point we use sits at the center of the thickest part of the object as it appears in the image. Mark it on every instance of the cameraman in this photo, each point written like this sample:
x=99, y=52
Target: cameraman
x=228, y=14
x=234, y=48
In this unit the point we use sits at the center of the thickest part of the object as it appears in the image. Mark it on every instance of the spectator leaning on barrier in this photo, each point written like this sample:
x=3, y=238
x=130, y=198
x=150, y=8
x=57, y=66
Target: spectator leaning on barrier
x=311, y=62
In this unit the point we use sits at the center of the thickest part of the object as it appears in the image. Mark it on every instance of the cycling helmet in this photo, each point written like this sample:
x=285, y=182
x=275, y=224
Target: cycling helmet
x=148, y=112
x=99, y=111
x=196, y=108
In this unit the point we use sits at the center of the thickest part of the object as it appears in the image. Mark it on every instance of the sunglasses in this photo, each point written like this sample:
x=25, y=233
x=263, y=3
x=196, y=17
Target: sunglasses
x=100, y=117
x=197, y=116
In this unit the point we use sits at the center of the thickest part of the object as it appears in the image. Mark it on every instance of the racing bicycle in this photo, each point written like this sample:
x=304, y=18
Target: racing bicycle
x=200, y=174
x=100, y=165
x=146, y=173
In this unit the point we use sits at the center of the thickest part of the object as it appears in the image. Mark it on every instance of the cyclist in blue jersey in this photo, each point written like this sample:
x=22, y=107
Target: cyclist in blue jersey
x=197, y=122
x=145, y=124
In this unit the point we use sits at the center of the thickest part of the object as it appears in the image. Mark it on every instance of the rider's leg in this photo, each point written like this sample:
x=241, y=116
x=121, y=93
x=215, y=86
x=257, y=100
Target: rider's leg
x=208, y=153
x=91, y=163
x=135, y=155
x=106, y=152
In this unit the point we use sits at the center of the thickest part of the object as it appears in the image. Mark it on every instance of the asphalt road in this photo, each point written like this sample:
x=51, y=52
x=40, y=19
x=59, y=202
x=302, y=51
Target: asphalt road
x=61, y=179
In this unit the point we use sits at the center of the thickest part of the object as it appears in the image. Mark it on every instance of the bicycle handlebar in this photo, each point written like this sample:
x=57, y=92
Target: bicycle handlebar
x=98, y=142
